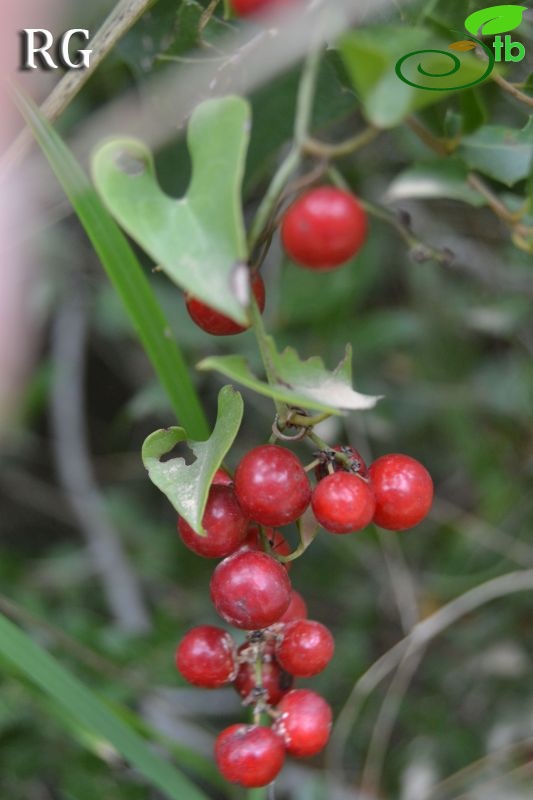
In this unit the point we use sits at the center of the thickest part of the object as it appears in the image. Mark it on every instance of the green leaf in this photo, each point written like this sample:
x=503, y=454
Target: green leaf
x=69, y=693
x=124, y=272
x=199, y=241
x=435, y=179
x=473, y=110
x=150, y=35
x=496, y=19
x=372, y=54
x=187, y=485
x=500, y=153
x=306, y=384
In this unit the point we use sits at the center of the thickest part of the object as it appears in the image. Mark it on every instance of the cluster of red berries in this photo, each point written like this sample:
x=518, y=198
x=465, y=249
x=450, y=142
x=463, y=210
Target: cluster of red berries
x=251, y=590
x=262, y=671
x=323, y=229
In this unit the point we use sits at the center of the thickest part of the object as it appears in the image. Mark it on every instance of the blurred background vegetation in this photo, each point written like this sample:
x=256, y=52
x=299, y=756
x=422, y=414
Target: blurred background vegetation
x=448, y=344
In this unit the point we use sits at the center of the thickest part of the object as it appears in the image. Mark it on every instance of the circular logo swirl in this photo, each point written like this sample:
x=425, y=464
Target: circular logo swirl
x=456, y=66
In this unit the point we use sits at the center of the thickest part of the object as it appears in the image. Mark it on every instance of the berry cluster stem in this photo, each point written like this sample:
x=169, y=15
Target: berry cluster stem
x=266, y=357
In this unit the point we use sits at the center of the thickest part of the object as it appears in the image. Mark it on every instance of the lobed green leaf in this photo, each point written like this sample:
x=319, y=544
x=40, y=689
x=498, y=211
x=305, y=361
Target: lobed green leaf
x=199, y=241
x=306, y=384
x=187, y=485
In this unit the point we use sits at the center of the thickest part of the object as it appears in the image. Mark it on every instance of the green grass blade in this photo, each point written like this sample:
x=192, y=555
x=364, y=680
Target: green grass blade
x=83, y=705
x=124, y=271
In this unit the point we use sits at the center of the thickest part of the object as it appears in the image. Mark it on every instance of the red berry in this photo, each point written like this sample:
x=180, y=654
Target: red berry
x=357, y=464
x=274, y=681
x=223, y=521
x=249, y=755
x=206, y=657
x=222, y=478
x=212, y=321
x=305, y=722
x=324, y=228
x=278, y=542
x=297, y=608
x=305, y=648
x=403, y=490
x=271, y=485
x=250, y=590
x=245, y=7
x=343, y=503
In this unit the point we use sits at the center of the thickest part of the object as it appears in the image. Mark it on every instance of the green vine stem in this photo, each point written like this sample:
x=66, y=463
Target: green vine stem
x=314, y=147
x=302, y=122
x=262, y=342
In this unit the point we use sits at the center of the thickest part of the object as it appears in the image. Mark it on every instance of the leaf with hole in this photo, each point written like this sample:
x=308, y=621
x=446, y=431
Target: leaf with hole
x=187, y=485
x=199, y=241
x=306, y=384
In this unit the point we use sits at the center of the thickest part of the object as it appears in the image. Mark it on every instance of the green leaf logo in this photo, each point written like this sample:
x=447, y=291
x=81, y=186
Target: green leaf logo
x=496, y=19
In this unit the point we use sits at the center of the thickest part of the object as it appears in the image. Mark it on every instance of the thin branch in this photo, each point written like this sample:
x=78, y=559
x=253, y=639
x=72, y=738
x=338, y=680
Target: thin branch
x=439, y=146
x=422, y=634
x=382, y=730
x=207, y=15
x=522, y=234
x=302, y=121
x=422, y=252
x=119, y=585
x=489, y=536
x=314, y=147
x=456, y=777
x=512, y=89
x=401, y=580
x=523, y=770
x=494, y=203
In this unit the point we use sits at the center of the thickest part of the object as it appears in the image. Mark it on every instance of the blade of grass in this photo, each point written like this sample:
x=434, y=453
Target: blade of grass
x=83, y=705
x=124, y=272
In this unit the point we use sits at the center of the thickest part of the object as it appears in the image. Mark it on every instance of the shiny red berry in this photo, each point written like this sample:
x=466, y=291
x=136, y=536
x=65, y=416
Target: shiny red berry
x=223, y=521
x=244, y=8
x=271, y=485
x=324, y=228
x=249, y=755
x=250, y=590
x=212, y=321
x=403, y=490
x=278, y=543
x=274, y=681
x=357, y=463
x=305, y=722
x=206, y=657
x=305, y=648
x=343, y=503
x=297, y=608
x=222, y=478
